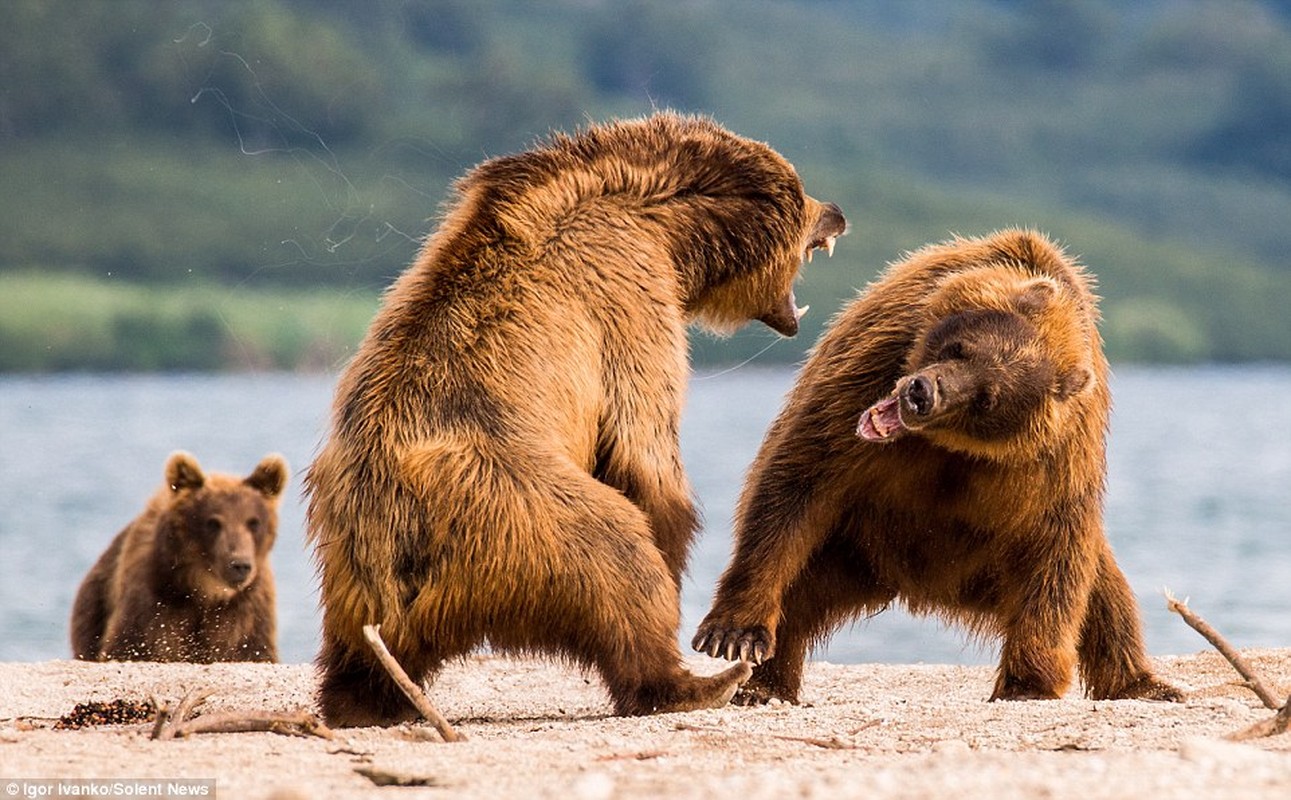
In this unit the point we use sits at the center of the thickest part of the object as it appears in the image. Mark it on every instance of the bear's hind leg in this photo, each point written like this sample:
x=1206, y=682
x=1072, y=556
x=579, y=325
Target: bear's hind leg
x=90, y=617
x=610, y=601
x=356, y=691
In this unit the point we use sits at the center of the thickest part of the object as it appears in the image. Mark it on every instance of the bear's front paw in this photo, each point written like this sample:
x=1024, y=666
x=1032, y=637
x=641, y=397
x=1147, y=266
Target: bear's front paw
x=1148, y=688
x=725, y=640
x=1011, y=687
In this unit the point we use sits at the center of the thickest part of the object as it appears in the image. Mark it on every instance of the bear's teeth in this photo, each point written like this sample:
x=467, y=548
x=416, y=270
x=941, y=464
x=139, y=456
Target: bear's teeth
x=829, y=245
x=877, y=421
x=800, y=311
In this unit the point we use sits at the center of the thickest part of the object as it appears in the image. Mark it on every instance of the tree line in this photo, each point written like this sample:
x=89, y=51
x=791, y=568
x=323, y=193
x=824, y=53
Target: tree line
x=306, y=144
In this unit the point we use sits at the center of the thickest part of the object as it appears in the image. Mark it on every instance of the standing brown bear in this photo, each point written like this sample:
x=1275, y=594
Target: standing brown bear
x=944, y=448
x=503, y=465
x=189, y=578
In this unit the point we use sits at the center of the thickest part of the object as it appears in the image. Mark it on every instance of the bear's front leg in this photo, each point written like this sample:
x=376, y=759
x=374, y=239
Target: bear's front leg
x=1038, y=659
x=1032, y=671
x=741, y=626
x=766, y=609
x=837, y=583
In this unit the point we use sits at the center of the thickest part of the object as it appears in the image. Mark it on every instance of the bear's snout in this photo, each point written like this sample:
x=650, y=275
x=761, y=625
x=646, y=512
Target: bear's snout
x=238, y=559
x=238, y=571
x=920, y=395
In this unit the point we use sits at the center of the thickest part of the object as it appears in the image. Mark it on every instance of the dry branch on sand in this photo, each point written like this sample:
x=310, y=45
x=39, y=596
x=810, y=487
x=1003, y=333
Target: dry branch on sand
x=410, y=690
x=1280, y=723
x=176, y=723
x=1270, y=727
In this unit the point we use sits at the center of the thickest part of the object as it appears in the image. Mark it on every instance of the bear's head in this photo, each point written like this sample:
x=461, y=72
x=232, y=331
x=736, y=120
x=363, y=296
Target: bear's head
x=1003, y=357
x=216, y=531
x=731, y=212
x=751, y=227
x=826, y=224
x=756, y=283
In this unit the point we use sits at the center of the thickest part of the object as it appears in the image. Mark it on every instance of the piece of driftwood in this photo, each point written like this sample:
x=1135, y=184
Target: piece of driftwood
x=178, y=723
x=1225, y=649
x=410, y=690
x=1279, y=723
x=169, y=719
x=291, y=723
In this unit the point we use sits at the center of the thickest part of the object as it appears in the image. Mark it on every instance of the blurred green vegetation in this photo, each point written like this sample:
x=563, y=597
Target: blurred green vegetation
x=54, y=322
x=203, y=185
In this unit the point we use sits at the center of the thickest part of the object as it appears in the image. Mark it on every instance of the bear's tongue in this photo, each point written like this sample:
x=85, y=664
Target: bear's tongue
x=881, y=421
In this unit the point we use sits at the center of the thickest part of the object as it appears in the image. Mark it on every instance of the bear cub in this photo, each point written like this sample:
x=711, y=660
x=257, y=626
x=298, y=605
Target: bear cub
x=189, y=578
x=944, y=447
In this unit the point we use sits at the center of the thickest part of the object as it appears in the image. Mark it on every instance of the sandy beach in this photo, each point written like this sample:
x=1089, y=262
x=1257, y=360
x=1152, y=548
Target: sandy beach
x=538, y=729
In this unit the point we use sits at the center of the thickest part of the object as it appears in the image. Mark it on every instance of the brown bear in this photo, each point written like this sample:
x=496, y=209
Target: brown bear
x=189, y=578
x=943, y=447
x=503, y=465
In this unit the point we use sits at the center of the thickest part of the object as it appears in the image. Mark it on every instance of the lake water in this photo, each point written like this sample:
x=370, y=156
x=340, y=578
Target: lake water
x=1199, y=495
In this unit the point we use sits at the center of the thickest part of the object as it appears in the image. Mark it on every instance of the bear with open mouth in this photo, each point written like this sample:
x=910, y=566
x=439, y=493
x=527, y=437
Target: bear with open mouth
x=943, y=448
x=503, y=466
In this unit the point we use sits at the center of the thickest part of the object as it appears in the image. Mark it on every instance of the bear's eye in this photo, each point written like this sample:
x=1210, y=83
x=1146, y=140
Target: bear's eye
x=253, y=524
x=953, y=351
x=985, y=400
x=213, y=525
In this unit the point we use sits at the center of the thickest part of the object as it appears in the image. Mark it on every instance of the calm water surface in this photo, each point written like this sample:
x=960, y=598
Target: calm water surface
x=1199, y=495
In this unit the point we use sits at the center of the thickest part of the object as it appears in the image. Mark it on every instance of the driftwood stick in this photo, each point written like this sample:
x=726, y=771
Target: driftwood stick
x=169, y=722
x=173, y=721
x=1225, y=649
x=1280, y=723
x=299, y=723
x=188, y=704
x=410, y=690
x=163, y=716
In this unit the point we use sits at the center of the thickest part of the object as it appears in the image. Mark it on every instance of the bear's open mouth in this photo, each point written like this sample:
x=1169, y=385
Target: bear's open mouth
x=882, y=421
x=783, y=319
x=826, y=244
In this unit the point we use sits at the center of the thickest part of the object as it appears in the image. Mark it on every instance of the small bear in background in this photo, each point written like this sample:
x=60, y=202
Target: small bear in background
x=189, y=579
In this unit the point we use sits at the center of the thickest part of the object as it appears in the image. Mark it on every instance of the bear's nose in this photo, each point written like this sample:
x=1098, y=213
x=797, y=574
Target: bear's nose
x=919, y=395
x=239, y=570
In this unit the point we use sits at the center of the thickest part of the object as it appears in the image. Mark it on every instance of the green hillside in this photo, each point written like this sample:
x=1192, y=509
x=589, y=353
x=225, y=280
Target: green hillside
x=230, y=185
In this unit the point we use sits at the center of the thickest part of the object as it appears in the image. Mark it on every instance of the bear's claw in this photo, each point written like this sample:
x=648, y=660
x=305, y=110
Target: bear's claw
x=734, y=644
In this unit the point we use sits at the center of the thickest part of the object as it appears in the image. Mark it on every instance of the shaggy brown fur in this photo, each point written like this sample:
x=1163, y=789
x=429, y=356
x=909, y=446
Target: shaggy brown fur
x=971, y=487
x=189, y=578
x=504, y=463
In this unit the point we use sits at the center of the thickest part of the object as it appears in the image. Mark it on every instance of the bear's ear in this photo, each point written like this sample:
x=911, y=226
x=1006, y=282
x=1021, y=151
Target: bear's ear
x=269, y=477
x=1073, y=382
x=1035, y=295
x=183, y=472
